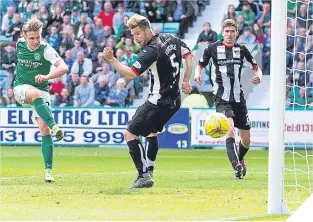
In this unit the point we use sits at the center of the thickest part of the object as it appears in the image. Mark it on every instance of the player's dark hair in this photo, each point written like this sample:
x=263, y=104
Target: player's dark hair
x=230, y=22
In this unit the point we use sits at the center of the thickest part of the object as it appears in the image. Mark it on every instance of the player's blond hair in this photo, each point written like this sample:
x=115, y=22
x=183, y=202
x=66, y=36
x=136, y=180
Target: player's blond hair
x=32, y=25
x=230, y=22
x=138, y=20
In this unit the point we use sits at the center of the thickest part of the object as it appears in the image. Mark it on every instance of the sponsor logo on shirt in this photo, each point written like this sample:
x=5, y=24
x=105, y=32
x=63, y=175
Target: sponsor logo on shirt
x=37, y=56
x=137, y=65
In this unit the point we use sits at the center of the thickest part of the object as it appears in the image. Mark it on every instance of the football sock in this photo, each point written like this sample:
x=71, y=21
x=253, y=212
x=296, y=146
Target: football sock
x=242, y=151
x=232, y=151
x=47, y=151
x=137, y=153
x=152, y=148
x=44, y=112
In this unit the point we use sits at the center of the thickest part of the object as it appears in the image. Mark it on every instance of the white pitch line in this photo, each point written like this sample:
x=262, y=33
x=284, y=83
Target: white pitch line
x=125, y=172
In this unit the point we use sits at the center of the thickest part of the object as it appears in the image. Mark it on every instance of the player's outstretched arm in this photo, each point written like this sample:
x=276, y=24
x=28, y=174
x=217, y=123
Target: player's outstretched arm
x=124, y=70
x=258, y=72
x=61, y=69
x=188, y=66
x=198, y=76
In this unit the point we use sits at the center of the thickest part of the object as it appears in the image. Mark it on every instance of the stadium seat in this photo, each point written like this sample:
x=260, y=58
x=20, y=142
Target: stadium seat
x=160, y=25
x=171, y=27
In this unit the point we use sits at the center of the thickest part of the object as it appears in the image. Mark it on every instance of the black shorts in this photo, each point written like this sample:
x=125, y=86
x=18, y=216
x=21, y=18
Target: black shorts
x=150, y=118
x=237, y=111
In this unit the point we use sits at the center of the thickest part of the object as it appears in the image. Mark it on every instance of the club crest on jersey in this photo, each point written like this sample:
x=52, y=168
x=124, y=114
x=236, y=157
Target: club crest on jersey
x=137, y=65
x=37, y=56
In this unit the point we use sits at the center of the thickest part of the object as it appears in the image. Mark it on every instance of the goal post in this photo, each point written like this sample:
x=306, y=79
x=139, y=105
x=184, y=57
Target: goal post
x=276, y=204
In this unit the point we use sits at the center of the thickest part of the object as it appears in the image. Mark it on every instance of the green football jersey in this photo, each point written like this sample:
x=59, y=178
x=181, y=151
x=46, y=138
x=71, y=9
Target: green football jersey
x=33, y=62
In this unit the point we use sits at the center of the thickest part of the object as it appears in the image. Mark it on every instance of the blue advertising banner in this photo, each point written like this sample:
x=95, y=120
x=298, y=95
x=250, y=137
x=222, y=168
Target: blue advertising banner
x=87, y=127
x=176, y=132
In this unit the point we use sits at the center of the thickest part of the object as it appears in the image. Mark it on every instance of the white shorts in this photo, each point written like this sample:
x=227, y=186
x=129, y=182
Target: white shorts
x=20, y=96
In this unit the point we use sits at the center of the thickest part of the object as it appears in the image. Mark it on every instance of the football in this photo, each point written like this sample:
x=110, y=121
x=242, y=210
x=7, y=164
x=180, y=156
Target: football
x=216, y=125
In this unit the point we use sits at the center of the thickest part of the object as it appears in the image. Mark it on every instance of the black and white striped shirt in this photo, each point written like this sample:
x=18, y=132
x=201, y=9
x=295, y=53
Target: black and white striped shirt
x=226, y=64
x=162, y=58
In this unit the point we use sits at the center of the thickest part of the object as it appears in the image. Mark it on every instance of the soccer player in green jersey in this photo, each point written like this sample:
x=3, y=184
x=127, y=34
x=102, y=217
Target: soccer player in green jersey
x=35, y=58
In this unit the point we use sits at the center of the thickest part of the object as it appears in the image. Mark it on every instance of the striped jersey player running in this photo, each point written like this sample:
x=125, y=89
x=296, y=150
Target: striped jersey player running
x=226, y=58
x=30, y=85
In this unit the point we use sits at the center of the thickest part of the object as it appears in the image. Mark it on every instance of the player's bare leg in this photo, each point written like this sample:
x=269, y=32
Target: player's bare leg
x=47, y=149
x=152, y=148
x=33, y=97
x=137, y=153
x=232, y=151
x=244, y=148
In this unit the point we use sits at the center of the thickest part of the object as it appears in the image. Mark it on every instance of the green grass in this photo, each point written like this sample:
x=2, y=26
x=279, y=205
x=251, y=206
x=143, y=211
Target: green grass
x=92, y=184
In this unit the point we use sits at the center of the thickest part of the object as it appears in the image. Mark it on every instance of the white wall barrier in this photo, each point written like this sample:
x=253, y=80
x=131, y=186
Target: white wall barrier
x=298, y=129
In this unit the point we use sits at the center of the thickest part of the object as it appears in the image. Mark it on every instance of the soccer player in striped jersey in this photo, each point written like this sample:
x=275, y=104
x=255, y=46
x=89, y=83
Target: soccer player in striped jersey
x=161, y=56
x=226, y=58
x=35, y=59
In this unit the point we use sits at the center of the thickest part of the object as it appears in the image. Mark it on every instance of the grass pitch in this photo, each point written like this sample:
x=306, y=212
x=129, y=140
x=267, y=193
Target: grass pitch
x=92, y=184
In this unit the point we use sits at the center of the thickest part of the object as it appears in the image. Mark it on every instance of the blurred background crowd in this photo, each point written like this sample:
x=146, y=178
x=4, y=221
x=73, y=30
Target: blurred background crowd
x=80, y=29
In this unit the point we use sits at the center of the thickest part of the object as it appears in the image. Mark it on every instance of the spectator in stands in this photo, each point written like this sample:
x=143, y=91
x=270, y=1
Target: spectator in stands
x=156, y=30
x=91, y=51
x=77, y=48
x=129, y=57
x=9, y=59
x=73, y=83
x=111, y=43
x=309, y=64
x=241, y=24
x=118, y=54
x=107, y=14
x=16, y=28
x=207, y=36
x=264, y=17
x=87, y=35
x=156, y=11
x=230, y=13
x=9, y=100
x=247, y=37
x=101, y=91
x=29, y=13
x=56, y=18
x=53, y=6
x=118, y=17
x=122, y=27
x=95, y=7
x=66, y=22
x=68, y=59
x=79, y=26
x=98, y=28
x=54, y=39
x=248, y=14
x=76, y=18
x=117, y=94
x=298, y=97
x=97, y=65
x=290, y=39
x=43, y=16
x=21, y=7
x=107, y=73
x=69, y=5
x=266, y=54
x=56, y=87
x=7, y=20
x=102, y=39
x=179, y=11
x=302, y=16
x=68, y=38
x=128, y=42
x=65, y=99
x=301, y=40
x=259, y=34
x=84, y=93
x=61, y=50
x=310, y=86
x=82, y=66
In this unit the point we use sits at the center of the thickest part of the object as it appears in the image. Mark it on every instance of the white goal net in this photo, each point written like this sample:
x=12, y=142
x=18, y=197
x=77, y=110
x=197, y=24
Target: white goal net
x=298, y=166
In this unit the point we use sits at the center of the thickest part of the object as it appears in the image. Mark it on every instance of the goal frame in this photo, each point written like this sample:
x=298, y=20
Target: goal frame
x=276, y=203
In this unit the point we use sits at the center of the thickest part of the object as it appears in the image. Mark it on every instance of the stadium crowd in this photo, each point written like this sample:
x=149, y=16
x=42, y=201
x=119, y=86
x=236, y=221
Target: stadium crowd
x=80, y=29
